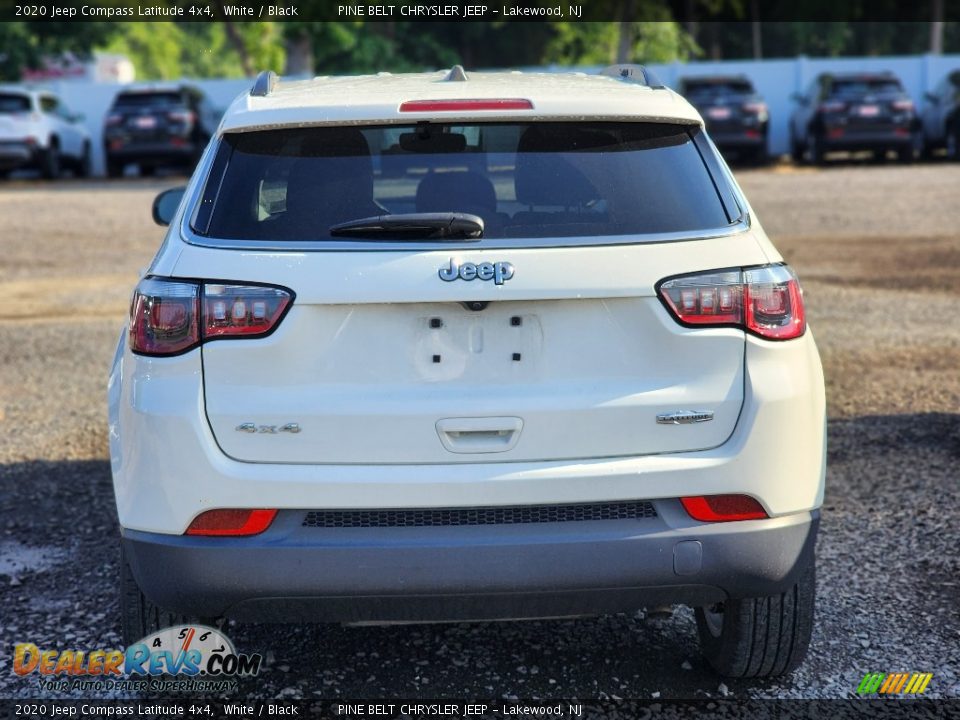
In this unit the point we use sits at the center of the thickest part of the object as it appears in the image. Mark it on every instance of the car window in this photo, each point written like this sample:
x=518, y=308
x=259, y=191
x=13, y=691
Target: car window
x=147, y=99
x=717, y=87
x=865, y=86
x=49, y=104
x=524, y=180
x=14, y=103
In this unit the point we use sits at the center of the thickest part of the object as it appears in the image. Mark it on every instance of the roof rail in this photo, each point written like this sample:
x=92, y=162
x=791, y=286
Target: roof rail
x=634, y=73
x=456, y=74
x=264, y=84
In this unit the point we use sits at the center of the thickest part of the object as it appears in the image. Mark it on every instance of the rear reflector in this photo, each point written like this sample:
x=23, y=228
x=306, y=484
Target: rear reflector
x=766, y=301
x=231, y=522
x=465, y=105
x=723, y=508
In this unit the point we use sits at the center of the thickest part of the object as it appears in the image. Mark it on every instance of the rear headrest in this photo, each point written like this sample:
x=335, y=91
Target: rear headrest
x=456, y=192
x=331, y=185
x=542, y=176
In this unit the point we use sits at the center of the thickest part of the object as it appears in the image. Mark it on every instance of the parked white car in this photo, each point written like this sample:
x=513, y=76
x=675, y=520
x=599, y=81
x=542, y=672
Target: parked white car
x=38, y=131
x=448, y=347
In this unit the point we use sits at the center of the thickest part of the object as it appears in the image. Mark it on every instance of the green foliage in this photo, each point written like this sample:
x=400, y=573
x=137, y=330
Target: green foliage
x=25, y=44
x=167, y=50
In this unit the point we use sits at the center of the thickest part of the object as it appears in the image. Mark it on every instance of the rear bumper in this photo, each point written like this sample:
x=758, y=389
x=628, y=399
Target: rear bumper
x=867, y=140
x=158, y=152
x=17, y=154
x=399, y=574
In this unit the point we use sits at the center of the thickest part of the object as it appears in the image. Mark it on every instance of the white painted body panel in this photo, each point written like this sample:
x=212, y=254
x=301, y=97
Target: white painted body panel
x=167, y=467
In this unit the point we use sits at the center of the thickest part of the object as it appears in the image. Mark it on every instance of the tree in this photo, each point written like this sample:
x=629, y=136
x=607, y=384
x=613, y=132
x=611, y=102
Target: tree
x=24, y=45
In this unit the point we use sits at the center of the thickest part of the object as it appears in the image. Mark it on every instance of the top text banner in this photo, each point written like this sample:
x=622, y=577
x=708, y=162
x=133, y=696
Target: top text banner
x=447, y=11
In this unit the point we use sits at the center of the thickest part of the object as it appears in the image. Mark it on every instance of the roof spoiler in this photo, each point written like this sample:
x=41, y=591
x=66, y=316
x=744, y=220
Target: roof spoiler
x=265, y=84
x=634, y=73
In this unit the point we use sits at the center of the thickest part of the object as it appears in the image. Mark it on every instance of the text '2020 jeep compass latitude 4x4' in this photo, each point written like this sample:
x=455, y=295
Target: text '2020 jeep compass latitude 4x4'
x=448, y=347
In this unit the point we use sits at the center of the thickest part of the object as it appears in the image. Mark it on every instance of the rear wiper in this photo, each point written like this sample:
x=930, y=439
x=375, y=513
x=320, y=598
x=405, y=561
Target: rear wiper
x=413, y=226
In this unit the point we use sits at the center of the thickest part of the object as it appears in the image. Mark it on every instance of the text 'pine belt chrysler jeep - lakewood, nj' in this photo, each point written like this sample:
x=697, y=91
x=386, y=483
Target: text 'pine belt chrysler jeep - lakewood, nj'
x=452, y=346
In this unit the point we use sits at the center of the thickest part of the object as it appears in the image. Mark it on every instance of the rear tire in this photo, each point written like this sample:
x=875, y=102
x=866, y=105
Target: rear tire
x=814, y=148
x=760, y=637
x=953, y=142
x=114, y=168
x=905, y=155
x=84, y=164
x=139, y=617
x=50, y=163
x=148, y=170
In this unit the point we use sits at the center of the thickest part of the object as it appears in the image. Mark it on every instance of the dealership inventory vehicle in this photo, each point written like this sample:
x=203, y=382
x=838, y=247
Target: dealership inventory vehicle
x=853, y=112
x=38, y=131
x=735, y=115
x=547, y=364
x=941, y=117
x=157, y=125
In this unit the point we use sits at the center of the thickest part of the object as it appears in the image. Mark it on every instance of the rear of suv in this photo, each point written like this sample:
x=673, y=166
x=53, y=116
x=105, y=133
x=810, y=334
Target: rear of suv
x=853, y=113
x=735, y=115
x=156, y=126
x=447, y=347
x=38, y=131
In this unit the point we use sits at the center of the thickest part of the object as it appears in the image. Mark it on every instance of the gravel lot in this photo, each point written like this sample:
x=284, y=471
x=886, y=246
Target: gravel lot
x=878, y=250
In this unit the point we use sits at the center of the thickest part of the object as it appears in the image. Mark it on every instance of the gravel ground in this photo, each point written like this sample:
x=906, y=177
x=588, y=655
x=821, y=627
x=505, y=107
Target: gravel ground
x=878, y=249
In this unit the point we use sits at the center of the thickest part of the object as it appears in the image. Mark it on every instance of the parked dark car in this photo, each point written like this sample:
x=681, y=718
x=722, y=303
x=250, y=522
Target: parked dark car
x=852, y=113
x=155, y=126
x=941, y=117
x=736, y=117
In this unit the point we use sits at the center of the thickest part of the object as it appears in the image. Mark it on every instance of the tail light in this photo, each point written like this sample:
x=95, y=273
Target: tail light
x=833, y=106
x=766, y=301
x=757, y=108
x=902, y=105
x=723, y=508
x=170, y=317
x=231, y=522
x=181, y=116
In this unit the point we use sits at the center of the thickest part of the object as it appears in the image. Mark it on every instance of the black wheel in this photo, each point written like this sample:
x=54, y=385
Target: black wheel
x=905, y=155
x=759, y=637
x=758, y=156
x=114, y=168
x=50, y=162
x=148, y=170
x=84, y=164
x=953, y=142
x=796, y=150
x=814, y=148
x=918, y=142
x=138, y=616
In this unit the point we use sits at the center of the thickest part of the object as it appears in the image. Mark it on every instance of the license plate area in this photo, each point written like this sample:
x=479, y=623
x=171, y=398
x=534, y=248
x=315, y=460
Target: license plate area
x=477, y=346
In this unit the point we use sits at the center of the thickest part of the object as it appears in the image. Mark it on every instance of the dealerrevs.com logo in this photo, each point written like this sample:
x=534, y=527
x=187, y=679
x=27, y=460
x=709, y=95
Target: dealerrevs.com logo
x=181, y=658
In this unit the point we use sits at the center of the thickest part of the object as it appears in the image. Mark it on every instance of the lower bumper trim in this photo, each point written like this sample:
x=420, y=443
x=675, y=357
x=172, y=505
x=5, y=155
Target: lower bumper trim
x=422, y=574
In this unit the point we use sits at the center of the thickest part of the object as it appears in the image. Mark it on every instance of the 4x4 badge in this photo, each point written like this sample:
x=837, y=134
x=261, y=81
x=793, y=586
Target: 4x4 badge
x=499, y=272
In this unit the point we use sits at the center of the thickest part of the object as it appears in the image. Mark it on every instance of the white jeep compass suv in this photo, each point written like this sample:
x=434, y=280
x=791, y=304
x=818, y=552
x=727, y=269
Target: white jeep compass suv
x=459, y=347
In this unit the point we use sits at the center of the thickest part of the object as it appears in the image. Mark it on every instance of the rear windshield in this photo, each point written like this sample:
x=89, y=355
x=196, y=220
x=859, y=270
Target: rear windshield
x=524, y=180
x=12, y=104
x=865, y=86
x=709, y=88
x=148, y=99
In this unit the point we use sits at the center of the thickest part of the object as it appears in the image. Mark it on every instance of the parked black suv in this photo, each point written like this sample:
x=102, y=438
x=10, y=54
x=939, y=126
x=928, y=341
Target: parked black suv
x=156, y=126
x=735, y=115
x=853, y=112
x=941, y=117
